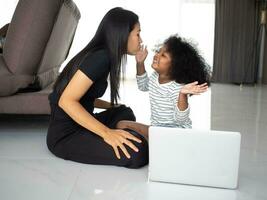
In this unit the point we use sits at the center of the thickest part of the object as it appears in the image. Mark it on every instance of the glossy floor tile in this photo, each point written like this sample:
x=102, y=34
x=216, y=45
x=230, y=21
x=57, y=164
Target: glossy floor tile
x=36, y=179
x=29, y=171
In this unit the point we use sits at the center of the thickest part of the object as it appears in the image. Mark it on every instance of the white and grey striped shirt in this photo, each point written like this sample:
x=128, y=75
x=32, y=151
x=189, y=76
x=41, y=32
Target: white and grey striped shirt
x=163, y=102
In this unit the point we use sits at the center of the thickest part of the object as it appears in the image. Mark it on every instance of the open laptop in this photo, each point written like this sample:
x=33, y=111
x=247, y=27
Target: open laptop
x=195, y=157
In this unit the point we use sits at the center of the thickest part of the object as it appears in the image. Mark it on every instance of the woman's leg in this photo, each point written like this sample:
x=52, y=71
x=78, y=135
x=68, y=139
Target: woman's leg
x=89, y=148
x=83, y=146
x=112, y=116
x=138, y=127
x=122, y=117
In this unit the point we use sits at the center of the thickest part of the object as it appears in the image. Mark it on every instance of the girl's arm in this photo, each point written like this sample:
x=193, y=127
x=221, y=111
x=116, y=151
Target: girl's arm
x=142, y=82
x=182, y=103
x=69, y=102
x=141, y=75
x=191, y=88
x=182, y=109
x=140, y=68
x=140, y=59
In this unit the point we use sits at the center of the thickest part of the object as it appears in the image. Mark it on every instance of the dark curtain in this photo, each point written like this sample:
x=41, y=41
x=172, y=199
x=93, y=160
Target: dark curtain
x=235, y=48
x=264, y=75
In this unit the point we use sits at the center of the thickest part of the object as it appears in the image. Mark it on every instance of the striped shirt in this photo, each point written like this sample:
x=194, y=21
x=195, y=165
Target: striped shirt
x=163, y=102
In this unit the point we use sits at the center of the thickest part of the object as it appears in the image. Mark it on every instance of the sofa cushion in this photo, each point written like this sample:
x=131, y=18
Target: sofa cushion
x=59, y=43
x=27, y=103
x=11, y=83
x=28, y=34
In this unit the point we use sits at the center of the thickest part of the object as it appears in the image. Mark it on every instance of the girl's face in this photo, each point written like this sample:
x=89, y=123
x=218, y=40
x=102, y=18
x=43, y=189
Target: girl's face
x=134, y=40
x=162, y=61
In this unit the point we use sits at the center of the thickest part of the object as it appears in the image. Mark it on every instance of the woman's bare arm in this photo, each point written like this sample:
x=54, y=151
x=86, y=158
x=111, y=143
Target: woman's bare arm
x=99, y=103
x=69, y=102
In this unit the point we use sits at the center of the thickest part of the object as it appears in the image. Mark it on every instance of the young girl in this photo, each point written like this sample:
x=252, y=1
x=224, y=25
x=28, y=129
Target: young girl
x=179, y=72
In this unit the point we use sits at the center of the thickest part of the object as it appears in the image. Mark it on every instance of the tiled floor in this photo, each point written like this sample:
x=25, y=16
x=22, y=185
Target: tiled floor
x=29, y=171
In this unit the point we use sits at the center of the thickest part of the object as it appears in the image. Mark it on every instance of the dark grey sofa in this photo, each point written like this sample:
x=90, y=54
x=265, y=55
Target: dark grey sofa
x=37, y=42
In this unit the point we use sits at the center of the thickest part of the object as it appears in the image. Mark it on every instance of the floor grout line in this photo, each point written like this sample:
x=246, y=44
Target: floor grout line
x=75, y=182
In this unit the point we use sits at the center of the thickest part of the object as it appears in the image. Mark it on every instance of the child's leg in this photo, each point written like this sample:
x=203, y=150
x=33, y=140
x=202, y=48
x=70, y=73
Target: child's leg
x=135, y=126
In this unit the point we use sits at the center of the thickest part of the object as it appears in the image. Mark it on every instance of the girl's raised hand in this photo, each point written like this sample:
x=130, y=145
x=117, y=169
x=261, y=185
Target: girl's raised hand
x=141, y=54
x=194, y=88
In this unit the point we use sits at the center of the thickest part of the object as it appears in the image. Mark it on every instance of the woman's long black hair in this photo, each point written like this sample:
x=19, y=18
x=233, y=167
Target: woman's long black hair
x=112, y=35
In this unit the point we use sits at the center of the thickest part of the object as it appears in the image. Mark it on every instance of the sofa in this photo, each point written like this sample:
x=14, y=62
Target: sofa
x=37, y=42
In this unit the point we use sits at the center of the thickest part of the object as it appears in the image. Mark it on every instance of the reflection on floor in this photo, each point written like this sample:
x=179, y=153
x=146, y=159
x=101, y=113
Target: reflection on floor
x=29, y=171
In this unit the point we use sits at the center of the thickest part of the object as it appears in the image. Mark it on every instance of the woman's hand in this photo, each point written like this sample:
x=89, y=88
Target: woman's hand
x=194, y=88
x=141, y=55
x=118, y=138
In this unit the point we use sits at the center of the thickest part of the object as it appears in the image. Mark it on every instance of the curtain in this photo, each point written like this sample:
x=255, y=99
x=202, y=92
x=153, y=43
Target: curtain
x=264, y=75
x=235, y=50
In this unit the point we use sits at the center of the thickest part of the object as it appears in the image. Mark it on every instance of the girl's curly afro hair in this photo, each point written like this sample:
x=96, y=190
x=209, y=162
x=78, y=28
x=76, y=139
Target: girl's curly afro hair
x=187, y=65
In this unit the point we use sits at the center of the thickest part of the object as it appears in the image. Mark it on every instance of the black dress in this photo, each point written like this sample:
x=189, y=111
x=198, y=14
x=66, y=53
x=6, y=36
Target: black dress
x=68, y=140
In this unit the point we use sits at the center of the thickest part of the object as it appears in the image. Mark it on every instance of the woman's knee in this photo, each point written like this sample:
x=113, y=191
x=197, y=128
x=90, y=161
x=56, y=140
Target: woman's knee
x=140, y=158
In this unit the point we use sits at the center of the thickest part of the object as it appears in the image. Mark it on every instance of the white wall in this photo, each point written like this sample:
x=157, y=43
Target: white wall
x=6, y=10
x=193, y=19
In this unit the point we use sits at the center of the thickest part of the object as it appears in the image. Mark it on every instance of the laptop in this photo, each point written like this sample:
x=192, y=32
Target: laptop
x=194, y=157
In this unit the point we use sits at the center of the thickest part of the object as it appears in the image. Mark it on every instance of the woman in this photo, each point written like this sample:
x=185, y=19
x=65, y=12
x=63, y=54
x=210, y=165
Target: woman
x=75, y=132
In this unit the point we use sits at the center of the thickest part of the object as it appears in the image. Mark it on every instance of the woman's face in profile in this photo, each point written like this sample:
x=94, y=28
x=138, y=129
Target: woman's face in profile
x=134, y=40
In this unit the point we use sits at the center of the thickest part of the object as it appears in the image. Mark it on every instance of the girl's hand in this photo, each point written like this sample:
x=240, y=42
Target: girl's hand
x=194, y=88
x=141, y=55
x=118, y=138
